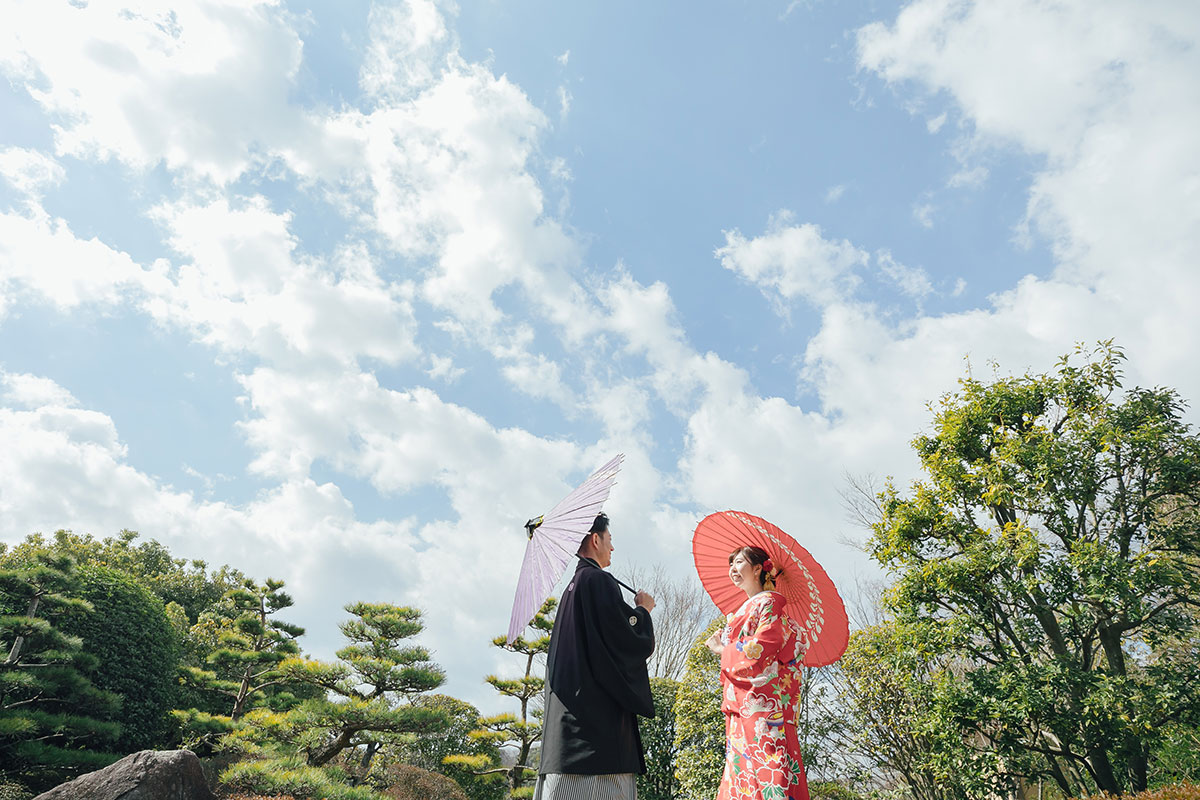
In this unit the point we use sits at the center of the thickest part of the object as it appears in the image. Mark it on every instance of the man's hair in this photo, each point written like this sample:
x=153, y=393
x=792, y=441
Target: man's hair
x=599, y=525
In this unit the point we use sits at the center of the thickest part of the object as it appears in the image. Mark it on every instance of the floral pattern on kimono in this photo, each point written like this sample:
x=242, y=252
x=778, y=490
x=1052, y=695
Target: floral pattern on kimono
x=760, y=675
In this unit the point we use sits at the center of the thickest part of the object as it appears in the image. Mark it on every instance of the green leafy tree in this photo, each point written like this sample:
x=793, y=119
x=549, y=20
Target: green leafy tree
x=699, y=723
x=189, y=584
x=1054, y=540
x=188, y=590
x=888, y=691
x=53, y=722
x=249, y=645
x=517, y=734
x=658, y=741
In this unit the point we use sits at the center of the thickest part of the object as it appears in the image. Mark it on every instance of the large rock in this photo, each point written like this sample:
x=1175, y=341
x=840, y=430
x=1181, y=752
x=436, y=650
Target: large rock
x=148, y=775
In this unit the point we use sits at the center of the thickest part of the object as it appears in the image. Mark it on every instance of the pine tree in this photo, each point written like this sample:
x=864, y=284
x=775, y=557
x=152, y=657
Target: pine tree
x=374, y=682
x=53, y=721
x=251, y=644
x=516, y=733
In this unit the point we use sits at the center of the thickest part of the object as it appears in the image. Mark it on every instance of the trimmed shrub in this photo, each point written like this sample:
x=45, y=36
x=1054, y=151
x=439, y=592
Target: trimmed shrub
x=291, y=777
x=414, y=783
x=137, y=652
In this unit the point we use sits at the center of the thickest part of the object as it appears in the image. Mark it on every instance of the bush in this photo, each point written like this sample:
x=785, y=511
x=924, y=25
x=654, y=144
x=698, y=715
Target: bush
x=1182, y=791
x=414, y=783
x=293, y=778
x=832, y=790
x=129, y=634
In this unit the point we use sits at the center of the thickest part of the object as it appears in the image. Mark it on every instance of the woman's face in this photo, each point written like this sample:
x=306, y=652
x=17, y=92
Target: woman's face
x=745, y=575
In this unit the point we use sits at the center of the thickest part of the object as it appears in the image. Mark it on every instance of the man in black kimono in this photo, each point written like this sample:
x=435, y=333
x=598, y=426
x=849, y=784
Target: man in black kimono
x=596, y=683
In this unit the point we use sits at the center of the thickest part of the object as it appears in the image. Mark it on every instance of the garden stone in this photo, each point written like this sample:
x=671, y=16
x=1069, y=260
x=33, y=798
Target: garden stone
x=147, y=775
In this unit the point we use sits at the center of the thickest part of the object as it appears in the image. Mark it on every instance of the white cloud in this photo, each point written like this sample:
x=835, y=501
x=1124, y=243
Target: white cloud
x=442, y=368
x=198, y=86
x=408, y=47
x=1105, y=93
x=33, y=391
x=564, y=102
x=29, y=171
x=934, y=124
x=923, y=214
x=968, y=177
x=835, y=193
x=419, y=168
x=912, y=281
x=564, y=57
x=247, y=288
x=42, y=259
x=794, y=261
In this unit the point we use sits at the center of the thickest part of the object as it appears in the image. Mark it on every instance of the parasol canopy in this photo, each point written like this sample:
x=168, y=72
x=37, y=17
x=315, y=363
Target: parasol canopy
x=812, y=600
x=554, y=539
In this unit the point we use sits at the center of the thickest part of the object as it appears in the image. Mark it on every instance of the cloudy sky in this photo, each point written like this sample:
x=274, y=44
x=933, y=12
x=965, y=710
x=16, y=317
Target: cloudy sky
x=343, y=292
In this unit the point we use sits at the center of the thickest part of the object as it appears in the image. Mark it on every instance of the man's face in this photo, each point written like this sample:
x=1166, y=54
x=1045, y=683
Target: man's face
x=604, y=548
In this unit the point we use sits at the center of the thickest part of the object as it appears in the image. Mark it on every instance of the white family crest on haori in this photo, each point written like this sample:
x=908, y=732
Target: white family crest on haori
x=554, y=539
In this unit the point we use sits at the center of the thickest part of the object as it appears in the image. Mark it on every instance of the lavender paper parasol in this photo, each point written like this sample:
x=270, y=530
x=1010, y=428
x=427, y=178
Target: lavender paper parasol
x=554, y=542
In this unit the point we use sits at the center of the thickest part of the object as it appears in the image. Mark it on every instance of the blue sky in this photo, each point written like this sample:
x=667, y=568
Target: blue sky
x=342, y=293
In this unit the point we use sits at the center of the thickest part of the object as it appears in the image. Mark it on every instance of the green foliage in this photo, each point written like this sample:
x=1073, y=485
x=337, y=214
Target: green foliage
x=365, y=698
x=1184, y=791
x=135, y=650
x=1177, y=758
x=200, y=731
x=53, y=721
x=1054, y=539
x=188, y=590
x=248, y=645
x=890, y=680
x=518, y=734
x=188, y=584
x=699, y=723
x=284, y=776
x=14, y=791
x=431, y=751
x=658, y=741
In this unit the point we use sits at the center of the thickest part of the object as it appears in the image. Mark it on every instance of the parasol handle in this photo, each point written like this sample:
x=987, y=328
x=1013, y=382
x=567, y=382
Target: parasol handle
x=623, y=583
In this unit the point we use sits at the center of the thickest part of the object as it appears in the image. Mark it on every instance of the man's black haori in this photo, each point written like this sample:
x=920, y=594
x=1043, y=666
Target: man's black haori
x=596, y=679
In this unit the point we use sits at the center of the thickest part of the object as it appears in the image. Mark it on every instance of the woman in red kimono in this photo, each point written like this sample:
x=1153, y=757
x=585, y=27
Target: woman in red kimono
x=760, y=651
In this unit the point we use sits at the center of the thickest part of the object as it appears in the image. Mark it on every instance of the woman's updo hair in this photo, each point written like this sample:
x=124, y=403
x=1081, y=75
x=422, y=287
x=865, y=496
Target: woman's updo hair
x=758, y=557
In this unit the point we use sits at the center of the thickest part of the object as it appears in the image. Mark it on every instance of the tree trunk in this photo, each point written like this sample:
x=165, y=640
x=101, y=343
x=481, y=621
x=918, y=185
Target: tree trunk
x=239, y=700
x=325, y=754
x=15, y=653
x=372, y=749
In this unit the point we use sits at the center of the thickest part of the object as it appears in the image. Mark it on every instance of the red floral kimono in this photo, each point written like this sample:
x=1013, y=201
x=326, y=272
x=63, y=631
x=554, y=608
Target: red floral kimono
x=760, y=678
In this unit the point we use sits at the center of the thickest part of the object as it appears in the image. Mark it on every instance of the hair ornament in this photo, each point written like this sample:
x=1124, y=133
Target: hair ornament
x=768, y=567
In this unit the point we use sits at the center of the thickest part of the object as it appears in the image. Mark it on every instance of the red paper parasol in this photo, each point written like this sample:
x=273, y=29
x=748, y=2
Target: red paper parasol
x=812, y=600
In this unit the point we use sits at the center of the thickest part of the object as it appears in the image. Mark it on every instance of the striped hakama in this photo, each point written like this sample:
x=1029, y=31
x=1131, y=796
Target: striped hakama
x=559, y=786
